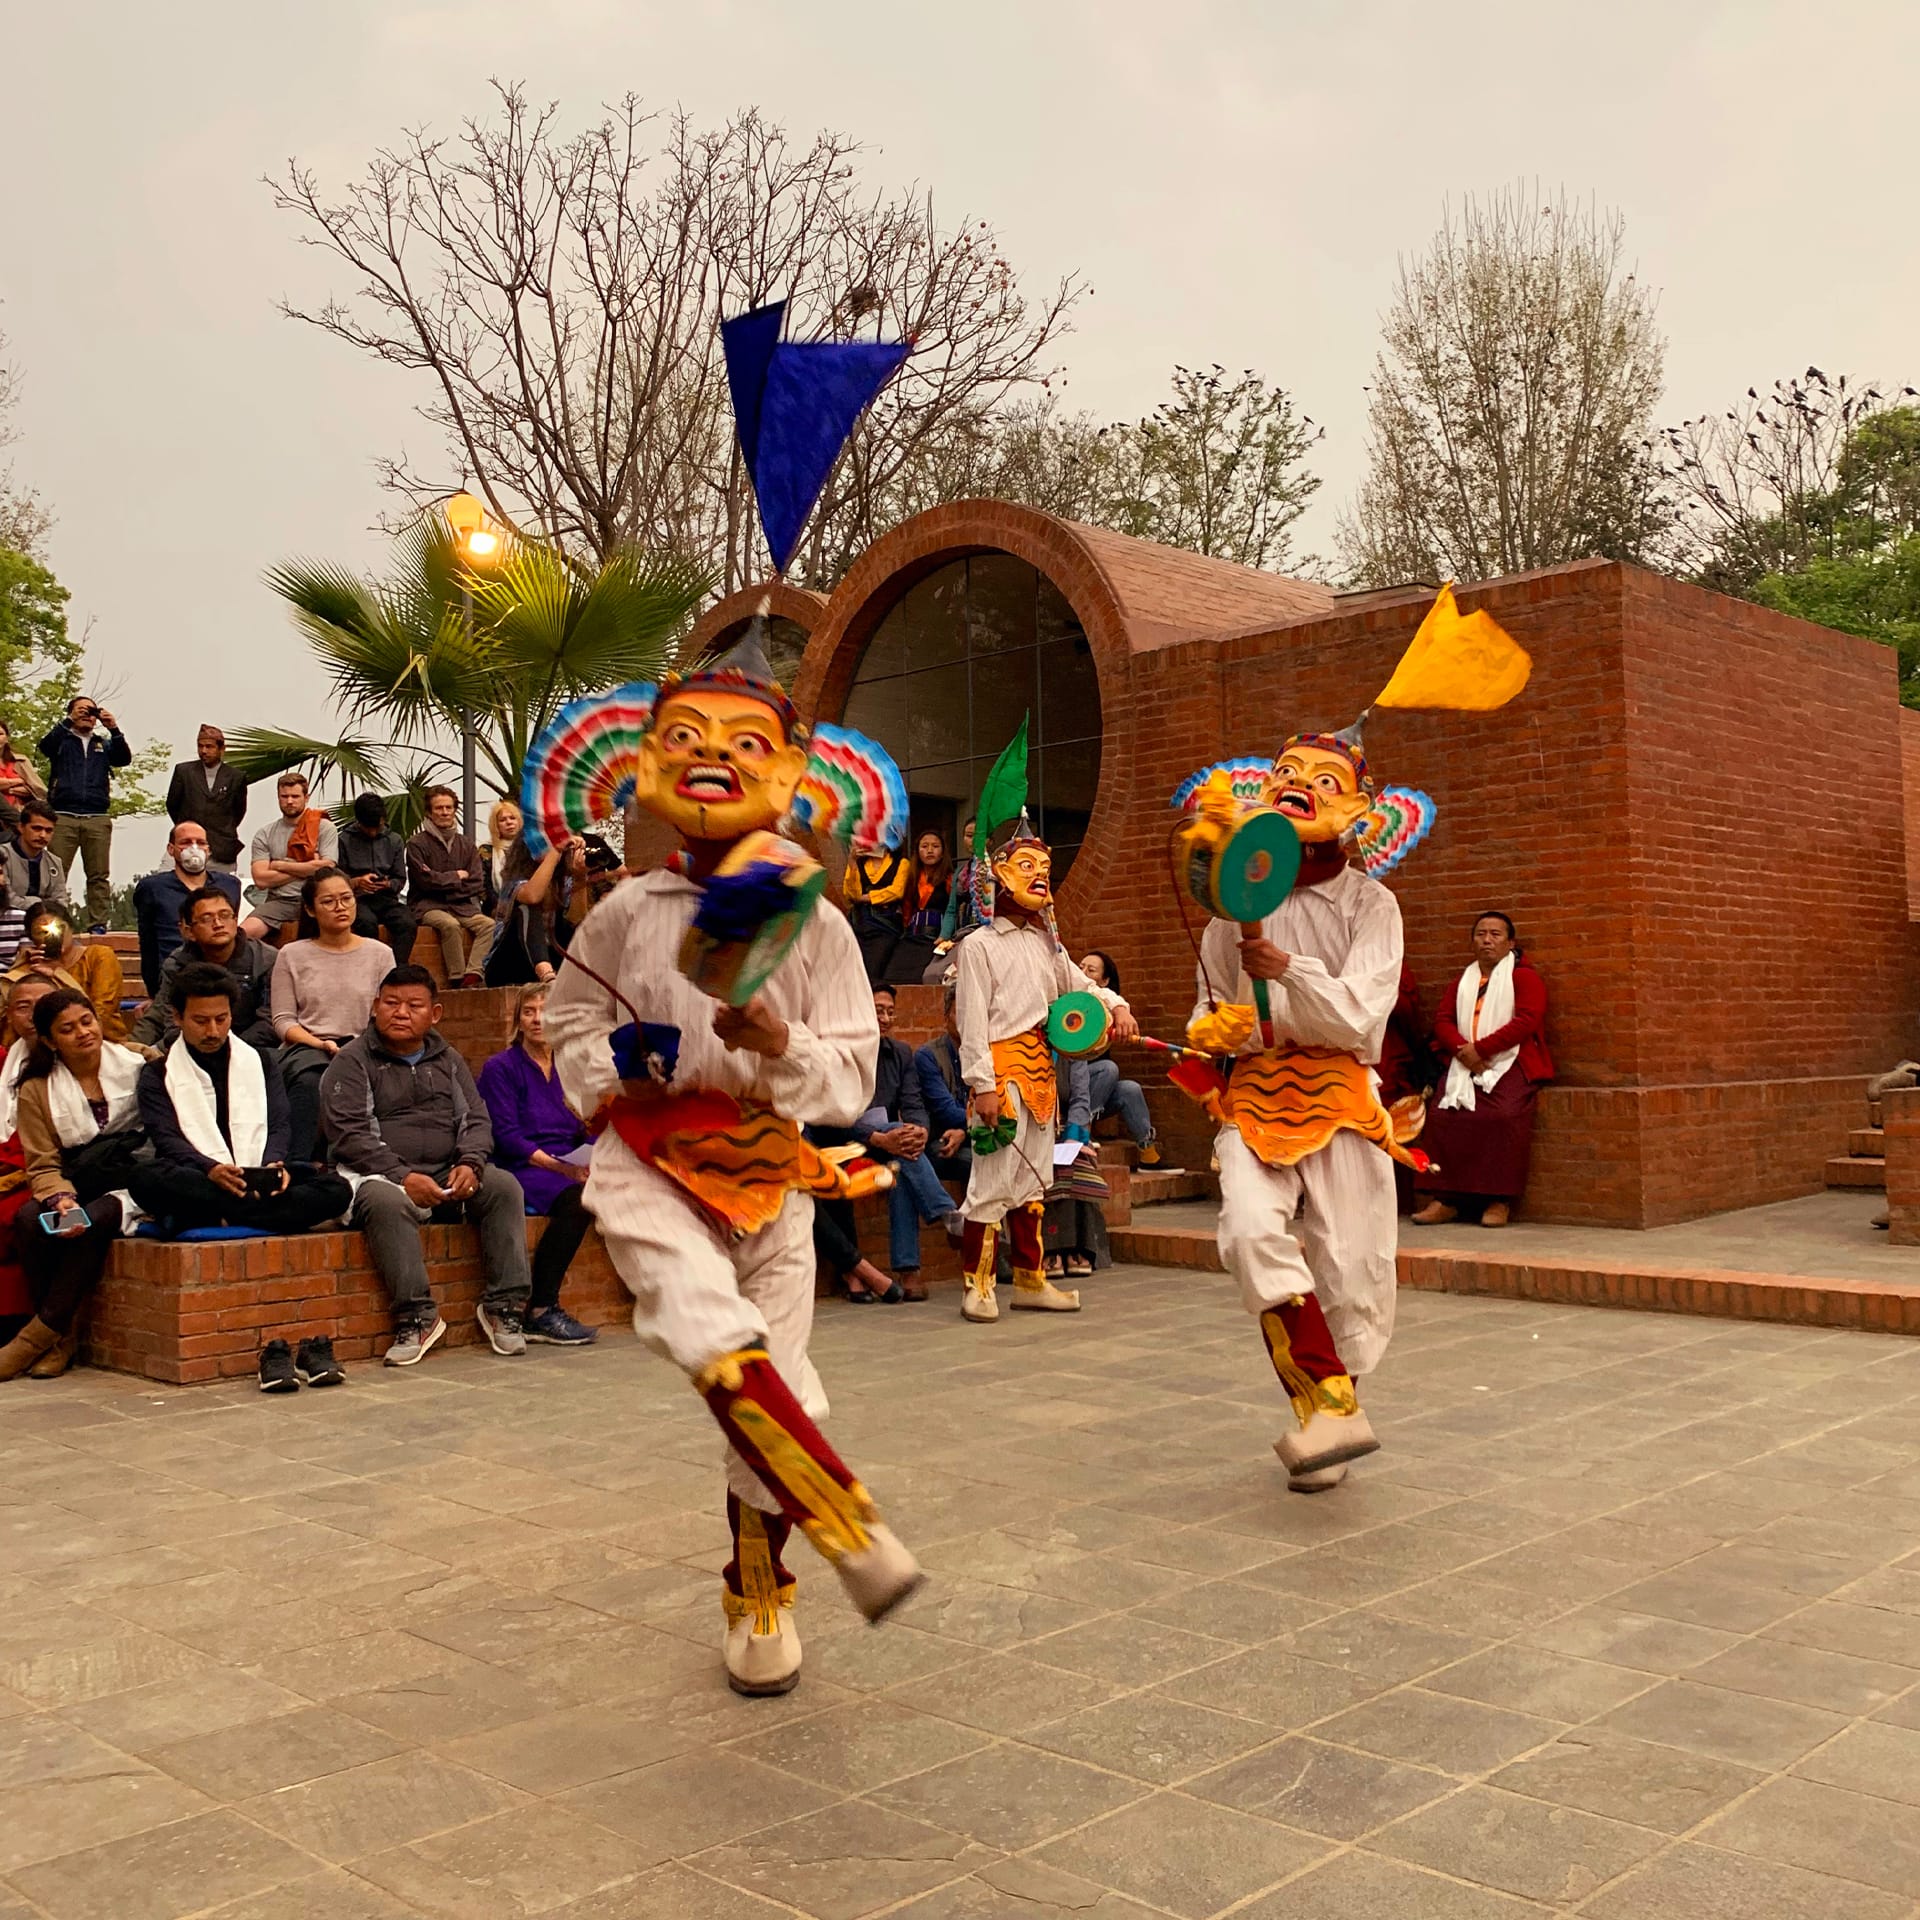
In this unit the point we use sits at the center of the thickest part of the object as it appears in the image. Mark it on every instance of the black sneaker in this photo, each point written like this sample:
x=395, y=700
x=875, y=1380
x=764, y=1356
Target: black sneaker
x=276, y=1369
x=315, y=1364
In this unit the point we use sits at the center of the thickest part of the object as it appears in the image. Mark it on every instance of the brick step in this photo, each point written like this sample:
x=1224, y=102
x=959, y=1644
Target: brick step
x=1152, y=1187
x=1145, y=1245
x=1856, y=1170
x=1874, y=1115
x=1867, y=1142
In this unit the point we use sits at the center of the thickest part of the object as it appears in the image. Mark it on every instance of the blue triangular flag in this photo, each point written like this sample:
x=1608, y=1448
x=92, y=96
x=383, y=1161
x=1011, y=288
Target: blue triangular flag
x=793, y=407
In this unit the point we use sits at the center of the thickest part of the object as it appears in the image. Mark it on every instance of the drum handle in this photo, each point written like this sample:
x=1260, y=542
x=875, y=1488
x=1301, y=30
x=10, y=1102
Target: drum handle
x=1262, y=1000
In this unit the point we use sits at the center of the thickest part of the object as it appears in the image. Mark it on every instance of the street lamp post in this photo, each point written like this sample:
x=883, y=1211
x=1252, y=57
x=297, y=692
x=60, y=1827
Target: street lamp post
x=477, y=542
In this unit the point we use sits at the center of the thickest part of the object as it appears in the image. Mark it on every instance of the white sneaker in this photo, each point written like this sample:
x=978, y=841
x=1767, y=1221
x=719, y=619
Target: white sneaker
x=761, y=1663
x=975, y=1305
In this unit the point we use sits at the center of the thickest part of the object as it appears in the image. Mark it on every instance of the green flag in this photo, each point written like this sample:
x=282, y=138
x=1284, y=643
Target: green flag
x=1005, y=791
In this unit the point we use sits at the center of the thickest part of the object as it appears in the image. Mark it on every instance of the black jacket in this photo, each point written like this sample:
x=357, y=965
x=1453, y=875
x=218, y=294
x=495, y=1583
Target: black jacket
x=251, y=966
x=220, y=811
x=896, y=1087
x=384, y=854
x=387, y=1115
x=79, y=767
x=171, y=1148
x=157, y=901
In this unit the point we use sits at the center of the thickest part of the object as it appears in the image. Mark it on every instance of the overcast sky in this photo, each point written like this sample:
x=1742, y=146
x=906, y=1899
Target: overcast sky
x=1235, y=181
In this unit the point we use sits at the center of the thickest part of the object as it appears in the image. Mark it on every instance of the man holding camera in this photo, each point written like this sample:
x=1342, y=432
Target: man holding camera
x=215, y=1111
x=82, y=754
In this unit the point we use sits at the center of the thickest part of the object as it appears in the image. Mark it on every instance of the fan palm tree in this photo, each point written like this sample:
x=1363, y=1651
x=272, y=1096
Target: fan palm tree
x=441, y=644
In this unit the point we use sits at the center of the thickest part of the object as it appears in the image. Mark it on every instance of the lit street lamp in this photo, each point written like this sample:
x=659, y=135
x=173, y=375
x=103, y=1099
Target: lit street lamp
x=478, y=543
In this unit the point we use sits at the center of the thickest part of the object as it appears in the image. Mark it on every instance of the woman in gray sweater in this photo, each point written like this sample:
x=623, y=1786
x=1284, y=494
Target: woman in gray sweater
x=323, y=992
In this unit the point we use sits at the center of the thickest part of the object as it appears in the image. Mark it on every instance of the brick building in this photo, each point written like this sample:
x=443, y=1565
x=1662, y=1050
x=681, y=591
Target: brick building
x=1694, y=812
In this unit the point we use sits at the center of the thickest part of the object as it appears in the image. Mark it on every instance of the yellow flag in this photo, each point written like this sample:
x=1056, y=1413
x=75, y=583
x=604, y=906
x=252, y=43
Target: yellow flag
x=1463, y=662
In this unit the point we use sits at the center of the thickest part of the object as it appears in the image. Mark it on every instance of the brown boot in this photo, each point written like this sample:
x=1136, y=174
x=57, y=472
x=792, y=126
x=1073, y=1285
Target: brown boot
x=50, y=1366
x=31, y=1343
x=1436, y=1213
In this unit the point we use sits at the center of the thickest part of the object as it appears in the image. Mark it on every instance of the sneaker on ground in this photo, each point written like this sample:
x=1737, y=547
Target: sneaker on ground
x=276, y=1368
x=556, y=1327
x=502, y=1327
x=413, y=1340
x=315, y=1364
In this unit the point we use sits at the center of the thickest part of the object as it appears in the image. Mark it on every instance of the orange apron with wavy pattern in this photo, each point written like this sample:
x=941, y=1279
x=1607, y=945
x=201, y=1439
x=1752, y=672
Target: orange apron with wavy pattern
x=1025, y=1063
x=1289, y=1102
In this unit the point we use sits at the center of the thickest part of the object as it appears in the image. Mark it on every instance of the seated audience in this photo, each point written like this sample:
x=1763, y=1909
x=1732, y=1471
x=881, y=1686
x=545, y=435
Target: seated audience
x=448, y=883
x=79, y=1121
x=160, y=899
x=408, y=1125
x=19, y=778
x=525, y=895
x=924, y=910
x=1108, y=1092
x=53, y=949
x=286, y=854
x=375, y=863
x=874, y=887
x=16, y=1299
x=322, y=993
x=1480, y=1130
x=1075, y=1229
x=539, y=1139
x=32, y=870
x=837, y=1247
x=216, y=1117
x=943, y=1091
x=210, y=936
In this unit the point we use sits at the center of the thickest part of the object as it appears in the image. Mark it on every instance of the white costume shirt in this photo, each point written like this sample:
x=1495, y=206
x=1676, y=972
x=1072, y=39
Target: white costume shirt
x=1010, y=974
x=1346, y=944
x=820, y=990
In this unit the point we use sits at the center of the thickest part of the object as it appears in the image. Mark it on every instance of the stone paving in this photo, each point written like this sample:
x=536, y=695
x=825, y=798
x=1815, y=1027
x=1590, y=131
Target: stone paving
x=1625, y=1622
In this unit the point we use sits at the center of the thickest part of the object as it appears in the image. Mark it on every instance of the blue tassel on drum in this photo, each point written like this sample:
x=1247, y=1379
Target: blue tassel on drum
x=735, y=906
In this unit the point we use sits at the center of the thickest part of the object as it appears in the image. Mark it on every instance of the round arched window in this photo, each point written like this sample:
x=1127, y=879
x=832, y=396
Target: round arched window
x=946, y=677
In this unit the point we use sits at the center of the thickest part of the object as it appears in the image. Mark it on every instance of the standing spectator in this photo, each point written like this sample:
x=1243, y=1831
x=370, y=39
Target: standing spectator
x=160, y=900
x=524, y=898
x=448, y=884
x=285, y=856
x=208, y=792
x=81, y=760
x=35, y=874
x=54, y=950
x=79, y=1121
x=539, y=1139
x=19, y=779
x=216, y=1116
x=1480, y=1133
x=874, y=887
x=923, y=908
x=1108, y=1092
x=895, y=1131
x=375, y=863
x=409, y=1126
x=323, y=991
x=210, y=935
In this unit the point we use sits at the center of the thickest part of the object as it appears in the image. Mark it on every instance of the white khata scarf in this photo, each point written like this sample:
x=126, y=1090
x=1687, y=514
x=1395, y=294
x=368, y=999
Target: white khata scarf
x=190, y=1088
x=10, y=1071
x=67, y=1105
x=1495, y=1011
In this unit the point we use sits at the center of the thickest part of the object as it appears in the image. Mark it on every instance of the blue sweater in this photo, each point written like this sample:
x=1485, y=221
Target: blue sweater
x=946, y=1109
x=79, y=767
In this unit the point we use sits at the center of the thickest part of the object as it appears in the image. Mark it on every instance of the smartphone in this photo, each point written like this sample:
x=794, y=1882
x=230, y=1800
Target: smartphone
x=263, y=1182
x=74, y=1220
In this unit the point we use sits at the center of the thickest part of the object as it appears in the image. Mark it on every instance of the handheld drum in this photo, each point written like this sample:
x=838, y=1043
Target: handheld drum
x=1078, y=1025
x=750, y=914
x=1241, y=863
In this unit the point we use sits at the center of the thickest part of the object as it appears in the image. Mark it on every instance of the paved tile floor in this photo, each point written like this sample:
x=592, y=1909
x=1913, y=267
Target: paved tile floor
x=1625, y=1622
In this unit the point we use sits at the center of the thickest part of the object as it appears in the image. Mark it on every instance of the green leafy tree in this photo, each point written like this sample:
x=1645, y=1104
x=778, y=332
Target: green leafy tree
x=438, y=644
x=39, y=659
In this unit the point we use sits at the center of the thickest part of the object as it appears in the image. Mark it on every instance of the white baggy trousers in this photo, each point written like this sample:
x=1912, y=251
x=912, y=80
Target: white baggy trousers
x=1348, y=1227
x=695, y=1298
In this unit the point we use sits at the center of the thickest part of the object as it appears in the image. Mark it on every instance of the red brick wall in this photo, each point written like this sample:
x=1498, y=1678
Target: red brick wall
x=1679, y=812
x=1910, y=812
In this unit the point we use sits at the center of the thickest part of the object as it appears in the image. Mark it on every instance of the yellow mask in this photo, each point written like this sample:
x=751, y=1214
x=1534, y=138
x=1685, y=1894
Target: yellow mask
x=1023, y=876
x=716, y=765
x=1318, y=790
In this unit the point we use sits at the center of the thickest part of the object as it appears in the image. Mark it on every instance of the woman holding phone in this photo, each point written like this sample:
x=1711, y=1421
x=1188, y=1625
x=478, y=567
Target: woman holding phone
x=79, y=1121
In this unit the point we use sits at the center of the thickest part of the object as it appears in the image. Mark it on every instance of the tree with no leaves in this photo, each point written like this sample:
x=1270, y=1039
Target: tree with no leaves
x=561, y=296
x=1510, y=413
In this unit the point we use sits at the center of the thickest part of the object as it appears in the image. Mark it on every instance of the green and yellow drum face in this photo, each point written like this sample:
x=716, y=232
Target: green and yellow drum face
x=1078, y=1025
x=1244, y=869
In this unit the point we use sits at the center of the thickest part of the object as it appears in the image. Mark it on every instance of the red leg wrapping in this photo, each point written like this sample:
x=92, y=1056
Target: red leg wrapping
x=1310, y=1338
x=1023, y=1225
x=775, y=1529
x=972, y=1243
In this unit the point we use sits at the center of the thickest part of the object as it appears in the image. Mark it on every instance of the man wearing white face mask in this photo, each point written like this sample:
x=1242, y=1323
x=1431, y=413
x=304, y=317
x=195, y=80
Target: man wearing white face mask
x=161, y=896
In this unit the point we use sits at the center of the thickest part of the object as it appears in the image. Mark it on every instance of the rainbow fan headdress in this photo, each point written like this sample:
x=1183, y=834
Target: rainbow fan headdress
x=582, y=770
x=851, y=791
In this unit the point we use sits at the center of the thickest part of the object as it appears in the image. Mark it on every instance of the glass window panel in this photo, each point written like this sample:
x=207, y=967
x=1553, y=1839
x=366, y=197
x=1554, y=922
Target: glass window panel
x=1063, y=859
x=1056, y=618
x=936, y=713
x=926, y=628
x=1001, y=593
x=952, y=780
x=1004, y=688
x=1071, y=779
x=1069, y=706
x=878, y=708
x=786, y=642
